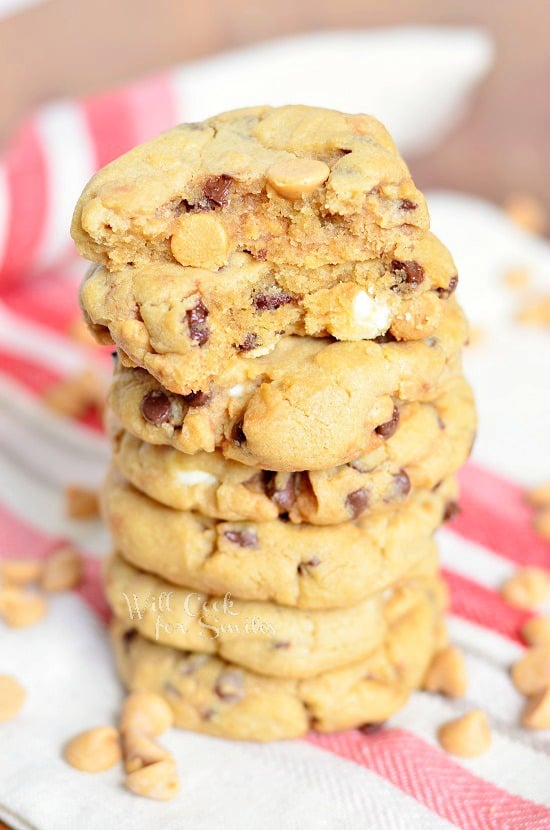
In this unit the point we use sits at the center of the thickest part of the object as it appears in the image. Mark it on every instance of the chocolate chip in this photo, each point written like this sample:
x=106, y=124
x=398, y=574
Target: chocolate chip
x=284, y=645
x=156, y=407
x=192, y=663
x=242, y=538
x=216, y=189
x=271, y=302
x=261, y=254
x=387, y=429
x=452, y=509
x=401, y=484
x=406, y=204
x=440, y=421
x=431, y=342
x=196, y=320
x=357, y=502
x=283, y=497
x=387, y=337
x=208, y=714
x=128, y=637
x=197, y=399
x=237, y=435
x=170, y=689
x=114, y=355
x=445, y=293
x=371, y=728
x=230, y=686
x=250, y=342
x=311, y=563
x=255, y=483
x=411, y=272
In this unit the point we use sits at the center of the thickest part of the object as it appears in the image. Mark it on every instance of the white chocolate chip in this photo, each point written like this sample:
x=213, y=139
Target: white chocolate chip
x=236, y=391
x=260, y=351
x=192, y=477
x=370, y=317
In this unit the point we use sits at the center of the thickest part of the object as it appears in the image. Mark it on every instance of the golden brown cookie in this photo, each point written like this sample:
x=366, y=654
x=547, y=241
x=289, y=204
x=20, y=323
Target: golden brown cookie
x=269, y=639
x=423, y=444
x=293, y=184
x=210, y=695
x=310, y=404
x=300, y=565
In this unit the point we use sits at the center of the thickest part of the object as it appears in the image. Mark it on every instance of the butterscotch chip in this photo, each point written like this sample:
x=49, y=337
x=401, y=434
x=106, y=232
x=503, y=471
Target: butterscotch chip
x=146, y=712
x=536, y=714
x=20, y=571
x=19, y=608
x=539, y=496
x=535, y=313
x=12, y=695
x=541, y=523
x=158, y=781
x=299, y=177
x=94, y=750
x=536, y=632
x=527, y=588
x=447, y=673
x=140, y=750
x=531, y=673
x=467, y=736
x=62, y=570
x=200, y=240
x=526, y=211
x=76, y=395
x=517, y=278
x=81, y=503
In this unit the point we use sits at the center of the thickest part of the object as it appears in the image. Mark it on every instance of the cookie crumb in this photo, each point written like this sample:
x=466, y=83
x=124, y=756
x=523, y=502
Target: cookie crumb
x=526, y=588
x=467, y=736
x=536, y=631
x=526, y=211
x=536, y=714
x=80, y=332
x=12, y=697
x=95, y=750
x=81, y=502
x=447, y=673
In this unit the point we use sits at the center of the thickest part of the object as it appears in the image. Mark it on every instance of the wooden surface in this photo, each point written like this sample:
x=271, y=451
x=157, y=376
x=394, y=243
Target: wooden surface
x=70, y=48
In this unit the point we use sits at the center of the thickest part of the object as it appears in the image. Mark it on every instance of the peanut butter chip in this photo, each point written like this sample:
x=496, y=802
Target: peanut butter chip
x=531, y=673
x=447, y=673
x=295, y=178
x=19, y=608
x=467, y=736
x=536, y=632
x=81, y=503
x=536, y=714
x=158, y=781
x=140, y=750
x=539, y=496
x=95, y=750
x=541, y=523
x=62, y=570
x=20, y=571
x=146, y=712
x=200, y=240
x=527, y=588
x=12, y=695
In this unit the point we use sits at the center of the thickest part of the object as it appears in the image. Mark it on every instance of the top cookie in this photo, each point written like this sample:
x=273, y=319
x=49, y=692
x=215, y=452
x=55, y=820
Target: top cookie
x=295, y=184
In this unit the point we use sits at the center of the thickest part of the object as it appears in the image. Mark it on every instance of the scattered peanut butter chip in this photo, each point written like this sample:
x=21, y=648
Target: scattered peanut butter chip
x=158, y=781
x=20, y=608
x=517, y=278
x=526, y=588
x=76, y=395
x=295, y=178
x=12, y=696
x=526, y=211
x=447, y=673
x=20, y=571
x=536, y=714
x=536, y=631
x=147, y=712
x=541, y=523
x=467, y=736
x=81, y=502
x=539, y=496
x=62, y=570
x=94, y=750
x=140, y=750
x=536, y=312
x=200, y=240
x=531, y=673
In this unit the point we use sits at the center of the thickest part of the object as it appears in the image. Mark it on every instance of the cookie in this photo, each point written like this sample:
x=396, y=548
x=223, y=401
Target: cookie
x=269, y=639
x=210, y=695
x=310, y=404
x=429, y=442
x=164, y=315
x=299, y=565
x=294, y=184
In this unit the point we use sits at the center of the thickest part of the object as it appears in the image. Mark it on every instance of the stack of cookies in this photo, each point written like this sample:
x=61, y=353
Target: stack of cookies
x=287, y=412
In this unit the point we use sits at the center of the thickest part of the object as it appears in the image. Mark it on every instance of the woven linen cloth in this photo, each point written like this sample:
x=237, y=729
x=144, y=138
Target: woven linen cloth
x=396, y=778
